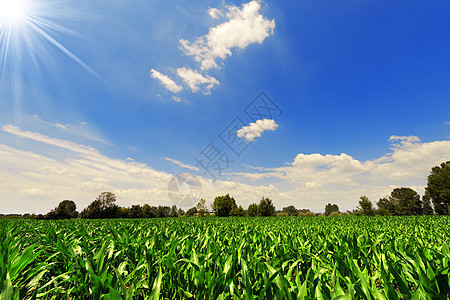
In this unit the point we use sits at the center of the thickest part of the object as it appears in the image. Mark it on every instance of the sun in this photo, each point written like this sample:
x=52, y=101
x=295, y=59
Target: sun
x=13, y=11
x=26, y=33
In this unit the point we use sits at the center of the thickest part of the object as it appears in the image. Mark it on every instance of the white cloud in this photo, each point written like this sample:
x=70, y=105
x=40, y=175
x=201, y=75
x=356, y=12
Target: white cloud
x=166, y=81
x=245, y=26
x=36, y=180
x=52, y=141
x=193, y=80
x=403, y=140
x=214, y=13
x=254, y=130
x=180, y=164
x=315, y=179
x=447, y=123
x=33, y=182
x=176, y=98
x=81, y=129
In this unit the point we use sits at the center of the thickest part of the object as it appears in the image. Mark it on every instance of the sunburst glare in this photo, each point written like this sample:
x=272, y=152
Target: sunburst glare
x=27, y=29
x=12, y=11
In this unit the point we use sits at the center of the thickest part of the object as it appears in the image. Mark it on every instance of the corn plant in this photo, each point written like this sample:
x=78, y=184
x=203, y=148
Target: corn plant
x=227, y=258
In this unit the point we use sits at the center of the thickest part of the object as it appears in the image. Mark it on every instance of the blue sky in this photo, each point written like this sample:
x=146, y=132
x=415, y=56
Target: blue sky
x=112, y=93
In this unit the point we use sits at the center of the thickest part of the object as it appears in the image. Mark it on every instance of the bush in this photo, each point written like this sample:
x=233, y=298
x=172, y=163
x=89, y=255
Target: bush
x=282, y=214
x=337, y=214
x=306, y=214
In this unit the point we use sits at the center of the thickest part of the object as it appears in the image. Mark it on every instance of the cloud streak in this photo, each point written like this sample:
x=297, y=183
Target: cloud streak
x=180, y=164
x=165, y=81
x=39, y=178
x=81, y=129
x=11, y=129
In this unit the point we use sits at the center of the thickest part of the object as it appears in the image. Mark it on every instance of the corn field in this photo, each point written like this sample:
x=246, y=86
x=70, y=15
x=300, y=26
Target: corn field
x=227, y=258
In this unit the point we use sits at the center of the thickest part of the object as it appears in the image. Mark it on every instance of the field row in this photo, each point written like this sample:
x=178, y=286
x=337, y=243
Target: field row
x=223, y=258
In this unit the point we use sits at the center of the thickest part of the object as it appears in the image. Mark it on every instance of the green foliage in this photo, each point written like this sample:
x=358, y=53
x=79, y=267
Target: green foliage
x=191, y=211
x=366, y=206
x=149, y=211
x=102, y=207
x=66, y=209
x=180, y=212
x=426, y=205
x=173, y=211
x=223, y=205
x=282, y=214
x=385, y=207
x=337, y=214
x=201, y=207
x=438, y=188
x=329, y=208
x=290, y=210
x=162, y=211
x=226, y=258
x=252, y=210
x=266, y=208
x=135, y=212
x=237, y=212
x=306, y=213
x=406, y=201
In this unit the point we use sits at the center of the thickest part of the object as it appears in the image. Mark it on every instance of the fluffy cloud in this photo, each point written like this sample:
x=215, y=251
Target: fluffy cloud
x=315, y=179
x=36, y=180
x=242, y=26
x=254, y=130
x=166, y=81
x=46, y=170
x=245, y=26
x=214, y=13
x=176, y=98
x=193, y=80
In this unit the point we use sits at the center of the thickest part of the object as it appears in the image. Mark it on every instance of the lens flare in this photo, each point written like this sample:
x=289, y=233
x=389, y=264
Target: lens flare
x=27, y=29
x=12, y=11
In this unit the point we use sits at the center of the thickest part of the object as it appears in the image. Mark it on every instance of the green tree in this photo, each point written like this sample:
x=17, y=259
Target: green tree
x=102, y=207
x=438, y=188
x=135, y=211
x=173, y=211
x=180, y=212
x=66, y=209
x=123, y=212
x=149, y=211
x=406, y=201
x=266, y=208
x=385, y=207
x=237, y=212
x=426, y=205
x=290, y=210
x=223, y=205
x=201, y=207
x=329, y=208
x=252, y=210
x=191, y=211
x=162, y=211
x=366, y=206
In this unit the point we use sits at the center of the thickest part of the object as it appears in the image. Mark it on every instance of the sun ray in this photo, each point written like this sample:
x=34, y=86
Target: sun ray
x=26, y=29
x=62, y=48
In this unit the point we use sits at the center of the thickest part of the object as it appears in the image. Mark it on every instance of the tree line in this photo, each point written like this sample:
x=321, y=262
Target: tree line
x=402, y=201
